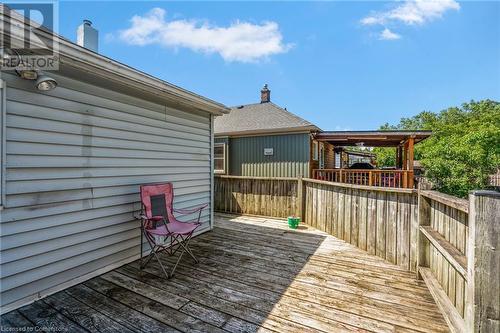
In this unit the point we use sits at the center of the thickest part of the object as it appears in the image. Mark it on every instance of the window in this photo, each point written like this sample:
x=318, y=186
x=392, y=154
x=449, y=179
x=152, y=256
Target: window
x=220, y=158
x=321, y=156
x=315, y=150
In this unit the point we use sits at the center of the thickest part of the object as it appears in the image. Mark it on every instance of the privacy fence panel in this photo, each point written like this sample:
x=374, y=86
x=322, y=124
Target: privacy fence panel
x=383, y=222
x=275, y=197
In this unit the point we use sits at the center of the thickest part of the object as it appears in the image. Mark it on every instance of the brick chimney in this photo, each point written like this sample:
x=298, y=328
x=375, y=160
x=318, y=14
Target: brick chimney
x=265, y=95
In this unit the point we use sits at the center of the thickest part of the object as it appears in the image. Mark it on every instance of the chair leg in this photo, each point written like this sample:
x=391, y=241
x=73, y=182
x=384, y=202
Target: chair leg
x=148, y=258
x=154, y=253
x=168, y=276
x=152, y=246
x=176, y=263
x=174, y=243
x=177, y=241
x=142, y=240
x=185, y=245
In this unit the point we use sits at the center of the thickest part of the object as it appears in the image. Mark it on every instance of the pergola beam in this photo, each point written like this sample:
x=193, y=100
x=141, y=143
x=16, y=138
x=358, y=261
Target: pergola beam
x=371, y=138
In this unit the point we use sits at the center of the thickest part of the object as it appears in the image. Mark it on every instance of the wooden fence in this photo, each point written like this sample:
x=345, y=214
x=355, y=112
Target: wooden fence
x=381, y=221
x=451, y=243
x=458, y=257
x=275, y=197
x=443, y=239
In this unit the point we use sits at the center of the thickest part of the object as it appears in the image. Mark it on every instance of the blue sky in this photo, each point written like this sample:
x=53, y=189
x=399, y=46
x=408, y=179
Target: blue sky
x=341, y=65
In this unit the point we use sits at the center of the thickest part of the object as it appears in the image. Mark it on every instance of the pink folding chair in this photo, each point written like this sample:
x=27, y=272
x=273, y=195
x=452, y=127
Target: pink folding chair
x=159, y=223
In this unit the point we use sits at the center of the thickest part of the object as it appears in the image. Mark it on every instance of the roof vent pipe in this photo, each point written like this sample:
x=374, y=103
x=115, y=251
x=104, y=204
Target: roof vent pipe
x=87, y=36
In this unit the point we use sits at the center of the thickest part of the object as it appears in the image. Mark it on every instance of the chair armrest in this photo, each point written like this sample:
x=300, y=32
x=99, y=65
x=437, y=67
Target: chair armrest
x=190, y=210
x=144, y=217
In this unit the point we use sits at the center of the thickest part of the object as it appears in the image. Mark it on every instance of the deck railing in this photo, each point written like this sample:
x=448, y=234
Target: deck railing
x=443, y=243
x=458, y=257
x=375, y=177
x=451, y=243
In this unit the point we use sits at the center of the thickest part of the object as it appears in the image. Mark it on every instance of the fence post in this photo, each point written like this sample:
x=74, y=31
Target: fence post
x=411, y=179
x=423, y=245
x=300, y=198
x=482, y=297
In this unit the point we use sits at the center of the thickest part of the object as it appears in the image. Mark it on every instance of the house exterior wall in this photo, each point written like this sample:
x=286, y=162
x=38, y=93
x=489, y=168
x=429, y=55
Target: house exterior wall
x=290, y=155
x=329, y=156
x=75, y=158
x=314, y=164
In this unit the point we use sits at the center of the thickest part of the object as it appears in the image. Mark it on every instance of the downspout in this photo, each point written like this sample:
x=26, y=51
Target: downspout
x=3, y=138
x=212, y=172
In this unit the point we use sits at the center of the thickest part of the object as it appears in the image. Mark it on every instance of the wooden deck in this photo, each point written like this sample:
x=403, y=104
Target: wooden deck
x=255, y=275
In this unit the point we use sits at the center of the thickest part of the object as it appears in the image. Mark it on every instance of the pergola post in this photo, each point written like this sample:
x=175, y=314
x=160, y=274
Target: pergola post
x=407, y=165
x=410, y=156
x=399, y=156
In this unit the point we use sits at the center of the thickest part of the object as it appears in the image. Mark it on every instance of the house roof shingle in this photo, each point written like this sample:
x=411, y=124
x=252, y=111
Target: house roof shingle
x=260, y=118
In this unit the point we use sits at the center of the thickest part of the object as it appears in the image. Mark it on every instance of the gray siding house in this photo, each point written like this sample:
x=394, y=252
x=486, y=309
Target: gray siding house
x=265, y=140
x=72, y=162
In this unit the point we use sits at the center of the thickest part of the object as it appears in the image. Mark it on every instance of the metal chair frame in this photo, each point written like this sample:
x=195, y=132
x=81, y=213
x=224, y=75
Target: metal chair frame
x=178, y=241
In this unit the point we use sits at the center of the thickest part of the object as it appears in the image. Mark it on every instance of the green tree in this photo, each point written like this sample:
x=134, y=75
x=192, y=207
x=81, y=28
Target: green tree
x=463, y=149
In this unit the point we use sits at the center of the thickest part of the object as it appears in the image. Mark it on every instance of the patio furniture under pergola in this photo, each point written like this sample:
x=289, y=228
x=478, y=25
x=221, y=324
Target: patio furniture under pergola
x=401, y=176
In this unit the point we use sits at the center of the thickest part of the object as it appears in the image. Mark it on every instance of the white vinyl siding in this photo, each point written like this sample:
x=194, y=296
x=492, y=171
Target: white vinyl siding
x=3, y=105
x=75, y=158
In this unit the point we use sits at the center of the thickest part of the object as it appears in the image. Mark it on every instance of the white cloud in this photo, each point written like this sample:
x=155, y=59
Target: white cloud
x=387, y=34
x=412, y=12
x=240, y=41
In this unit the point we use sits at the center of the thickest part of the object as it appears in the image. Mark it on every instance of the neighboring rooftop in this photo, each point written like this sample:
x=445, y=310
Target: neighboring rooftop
x=263, y=117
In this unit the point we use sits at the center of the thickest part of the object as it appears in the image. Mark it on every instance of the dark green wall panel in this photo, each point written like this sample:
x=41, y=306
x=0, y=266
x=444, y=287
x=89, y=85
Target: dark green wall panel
x=290, y=156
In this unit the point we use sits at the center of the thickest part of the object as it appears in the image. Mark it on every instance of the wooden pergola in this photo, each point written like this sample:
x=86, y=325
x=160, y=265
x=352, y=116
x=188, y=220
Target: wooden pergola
x=403, y=141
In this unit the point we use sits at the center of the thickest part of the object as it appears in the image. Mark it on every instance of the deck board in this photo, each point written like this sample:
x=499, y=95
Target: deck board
x=254, y=275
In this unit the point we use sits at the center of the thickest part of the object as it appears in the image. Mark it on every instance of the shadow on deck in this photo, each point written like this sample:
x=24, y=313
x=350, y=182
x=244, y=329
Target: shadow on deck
x=254, y=275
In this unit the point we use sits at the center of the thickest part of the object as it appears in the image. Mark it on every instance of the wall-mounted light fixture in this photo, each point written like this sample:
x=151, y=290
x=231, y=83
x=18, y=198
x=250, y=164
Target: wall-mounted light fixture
x=45, y=83
x=42, y=82
x=27, y=74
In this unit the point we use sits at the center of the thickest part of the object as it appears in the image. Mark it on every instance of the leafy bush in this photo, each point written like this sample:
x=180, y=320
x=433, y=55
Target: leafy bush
x=463, y=149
